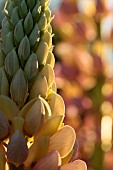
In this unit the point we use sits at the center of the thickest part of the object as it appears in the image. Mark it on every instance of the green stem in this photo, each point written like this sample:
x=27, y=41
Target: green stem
x=13, y=167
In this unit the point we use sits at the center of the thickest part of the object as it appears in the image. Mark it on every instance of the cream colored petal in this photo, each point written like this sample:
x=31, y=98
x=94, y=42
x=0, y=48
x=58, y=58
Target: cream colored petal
x=51, y=126
x=63, y=141
x=70, y=157
x=76, y=165
x=27, y=106
x=48, y=72
x=50, y=162
x=56, y=103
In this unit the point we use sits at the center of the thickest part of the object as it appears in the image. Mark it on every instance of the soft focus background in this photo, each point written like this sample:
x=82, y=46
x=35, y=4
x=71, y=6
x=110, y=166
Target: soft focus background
x=83, y=39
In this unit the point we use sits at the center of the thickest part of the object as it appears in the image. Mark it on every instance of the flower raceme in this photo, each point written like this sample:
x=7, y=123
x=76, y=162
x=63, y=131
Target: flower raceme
x=32, y=132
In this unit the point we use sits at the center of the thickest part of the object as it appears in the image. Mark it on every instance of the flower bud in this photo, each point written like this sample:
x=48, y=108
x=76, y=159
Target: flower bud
x=4, y=126
x=10, y=7
x=42, y=52
x=11, y=63
x=39, y=87
x=15, y=16
x=42, y=23
x=35, y=35
x=47, y=37
x=19, y=32
x=56, y=103
x=18, y=123
x=8, y=107
x=19, y=88
x=4, y=85
x=28, y=23
x=23, y=9
x=8, y=43
x=50, y=59
x=48, y=72
x=34, y=118
x=31, y=67
x=2, y=57
x=51, y=126
x=5, y=30
x=36, y=11
x=24, y=50
x=17, y=150
x=31, y=4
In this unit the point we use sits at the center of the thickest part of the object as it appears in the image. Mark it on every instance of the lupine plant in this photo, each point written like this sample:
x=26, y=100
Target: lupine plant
x=32, y=133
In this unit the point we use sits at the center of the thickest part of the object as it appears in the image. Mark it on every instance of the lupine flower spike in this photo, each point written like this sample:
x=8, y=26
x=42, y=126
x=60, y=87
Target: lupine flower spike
x=32, y=133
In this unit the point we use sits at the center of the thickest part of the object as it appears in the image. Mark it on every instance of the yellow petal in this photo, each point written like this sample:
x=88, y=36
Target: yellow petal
x=63, y=141
x=71, y=155
x=47, y=108
x=56, y=103
x=51, y=126
x=34, y=118
x=76, y=165
x=27, y=106
x=48, y=72
x=39, y=87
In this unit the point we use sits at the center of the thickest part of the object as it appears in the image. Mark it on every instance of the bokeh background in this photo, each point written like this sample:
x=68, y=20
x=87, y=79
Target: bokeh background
x=83, y=39
x=83, y=49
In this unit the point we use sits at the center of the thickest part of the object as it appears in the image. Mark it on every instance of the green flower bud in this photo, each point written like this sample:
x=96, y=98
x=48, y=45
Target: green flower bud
x=2, y=57
x=31, y=4
x=19, y=32
x=31, y=67
x=8, y=43
x=6, y=29
x=17, y=2
x=15, y=16
x=36, y=11
x=10, y=7
x=19, y=88
x=35, y=35
x=4, y=85
x=11, y=63
x=24, y=51
x=23, y=9
x=28, y=23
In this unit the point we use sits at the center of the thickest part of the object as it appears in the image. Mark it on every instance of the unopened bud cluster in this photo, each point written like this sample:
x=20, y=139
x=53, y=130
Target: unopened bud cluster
x=31, y=112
